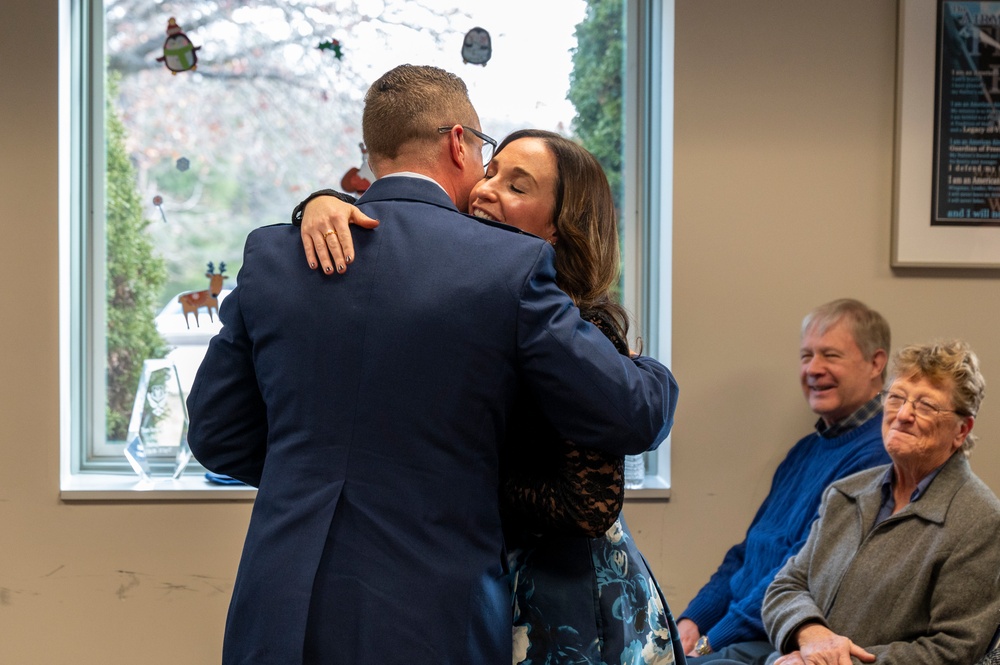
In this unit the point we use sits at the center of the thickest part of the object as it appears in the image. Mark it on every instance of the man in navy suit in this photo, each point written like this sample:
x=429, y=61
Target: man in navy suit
x=369, y=409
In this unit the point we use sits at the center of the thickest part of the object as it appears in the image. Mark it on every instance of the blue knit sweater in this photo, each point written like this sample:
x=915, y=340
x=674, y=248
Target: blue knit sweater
x=727, y=609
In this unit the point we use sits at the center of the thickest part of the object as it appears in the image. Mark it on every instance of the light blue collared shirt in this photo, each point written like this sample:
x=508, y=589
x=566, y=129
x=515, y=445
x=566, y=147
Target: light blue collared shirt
x=889, y=501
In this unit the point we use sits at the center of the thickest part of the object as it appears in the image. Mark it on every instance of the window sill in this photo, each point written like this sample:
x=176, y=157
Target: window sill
x=654, y=488
x=118, y=487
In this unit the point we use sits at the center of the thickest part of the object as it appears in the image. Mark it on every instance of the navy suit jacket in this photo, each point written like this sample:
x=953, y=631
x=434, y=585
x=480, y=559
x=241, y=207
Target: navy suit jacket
x=369, y=409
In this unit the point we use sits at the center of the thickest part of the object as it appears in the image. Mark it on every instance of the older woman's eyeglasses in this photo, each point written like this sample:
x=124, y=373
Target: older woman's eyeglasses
x=894, y=402
x=489, y=144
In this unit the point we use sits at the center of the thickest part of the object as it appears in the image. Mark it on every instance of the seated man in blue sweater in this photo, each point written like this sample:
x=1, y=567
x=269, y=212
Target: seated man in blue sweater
x=843, y=356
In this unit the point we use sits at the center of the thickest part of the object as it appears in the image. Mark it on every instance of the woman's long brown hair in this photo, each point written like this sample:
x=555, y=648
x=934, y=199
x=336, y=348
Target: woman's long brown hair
x=587, y=256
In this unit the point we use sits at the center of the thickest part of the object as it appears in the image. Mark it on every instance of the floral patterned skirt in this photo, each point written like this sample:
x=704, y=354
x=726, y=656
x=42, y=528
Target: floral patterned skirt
x=583, y=601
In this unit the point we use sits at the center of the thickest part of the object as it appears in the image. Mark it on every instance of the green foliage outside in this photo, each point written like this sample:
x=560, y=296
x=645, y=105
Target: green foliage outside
x=596, y=87
x=135, y=276
x=208, y=216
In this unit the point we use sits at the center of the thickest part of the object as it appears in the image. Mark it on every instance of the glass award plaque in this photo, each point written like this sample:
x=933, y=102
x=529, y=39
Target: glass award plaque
x=156, y=444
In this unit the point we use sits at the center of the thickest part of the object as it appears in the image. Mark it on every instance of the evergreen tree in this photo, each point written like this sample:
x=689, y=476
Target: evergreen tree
x=596, y=87
x=135, y=276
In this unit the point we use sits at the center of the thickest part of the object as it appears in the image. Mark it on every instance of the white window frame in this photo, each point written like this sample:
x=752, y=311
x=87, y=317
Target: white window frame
x=646, y=219
x=647, y=216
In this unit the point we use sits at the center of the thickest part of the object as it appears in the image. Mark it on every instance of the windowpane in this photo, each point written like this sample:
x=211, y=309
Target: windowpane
x=220, y=116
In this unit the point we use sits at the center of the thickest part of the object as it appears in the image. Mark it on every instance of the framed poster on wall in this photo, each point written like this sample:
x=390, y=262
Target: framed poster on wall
x=947, y=177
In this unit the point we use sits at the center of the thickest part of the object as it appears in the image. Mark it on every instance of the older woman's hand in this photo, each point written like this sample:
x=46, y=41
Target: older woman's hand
x=818, y=645
x=326, y=235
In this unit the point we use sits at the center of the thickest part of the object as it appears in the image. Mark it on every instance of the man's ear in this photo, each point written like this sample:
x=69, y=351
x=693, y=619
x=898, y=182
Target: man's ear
x=879, y=360
x=457, y=147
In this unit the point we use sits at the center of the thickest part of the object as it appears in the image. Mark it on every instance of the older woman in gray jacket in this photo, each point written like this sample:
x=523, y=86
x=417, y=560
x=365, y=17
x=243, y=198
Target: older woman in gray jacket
x=902, y=565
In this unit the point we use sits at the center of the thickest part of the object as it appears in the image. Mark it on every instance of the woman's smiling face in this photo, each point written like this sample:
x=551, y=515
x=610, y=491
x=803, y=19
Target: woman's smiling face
x=924, y=441
x=519, y=188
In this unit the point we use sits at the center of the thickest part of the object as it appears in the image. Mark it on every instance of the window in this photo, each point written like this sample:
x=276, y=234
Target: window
x=184, y=125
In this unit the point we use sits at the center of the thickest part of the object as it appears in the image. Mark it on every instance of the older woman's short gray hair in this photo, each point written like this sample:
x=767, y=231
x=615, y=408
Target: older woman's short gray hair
x=943, y=362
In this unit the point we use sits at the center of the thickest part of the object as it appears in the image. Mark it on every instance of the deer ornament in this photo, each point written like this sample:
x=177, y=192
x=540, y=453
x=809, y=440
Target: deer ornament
x=192, y=301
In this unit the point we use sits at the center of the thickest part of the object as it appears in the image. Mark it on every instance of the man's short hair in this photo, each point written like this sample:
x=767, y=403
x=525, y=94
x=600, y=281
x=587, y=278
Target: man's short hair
x=409, y=103
x=869, y=328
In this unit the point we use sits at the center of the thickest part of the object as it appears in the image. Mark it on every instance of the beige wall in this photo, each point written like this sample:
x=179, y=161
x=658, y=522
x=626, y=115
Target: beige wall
x=80, y=584
x=784, y=124
x=784, y=116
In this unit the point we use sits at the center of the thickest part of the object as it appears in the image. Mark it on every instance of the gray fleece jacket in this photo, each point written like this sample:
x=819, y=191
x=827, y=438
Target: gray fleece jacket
x=921, y=588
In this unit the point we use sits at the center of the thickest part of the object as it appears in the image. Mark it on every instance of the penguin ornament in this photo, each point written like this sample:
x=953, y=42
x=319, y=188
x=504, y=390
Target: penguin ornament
x=477, y=47
x=179, y=54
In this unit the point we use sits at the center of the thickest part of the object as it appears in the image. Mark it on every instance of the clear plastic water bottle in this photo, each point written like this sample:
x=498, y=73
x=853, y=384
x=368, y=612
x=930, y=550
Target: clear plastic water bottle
x=635, y=471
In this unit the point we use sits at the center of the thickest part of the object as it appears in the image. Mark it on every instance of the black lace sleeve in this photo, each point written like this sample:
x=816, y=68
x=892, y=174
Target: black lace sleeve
x=559, y=488
x=580, y=495
x=300, y=208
